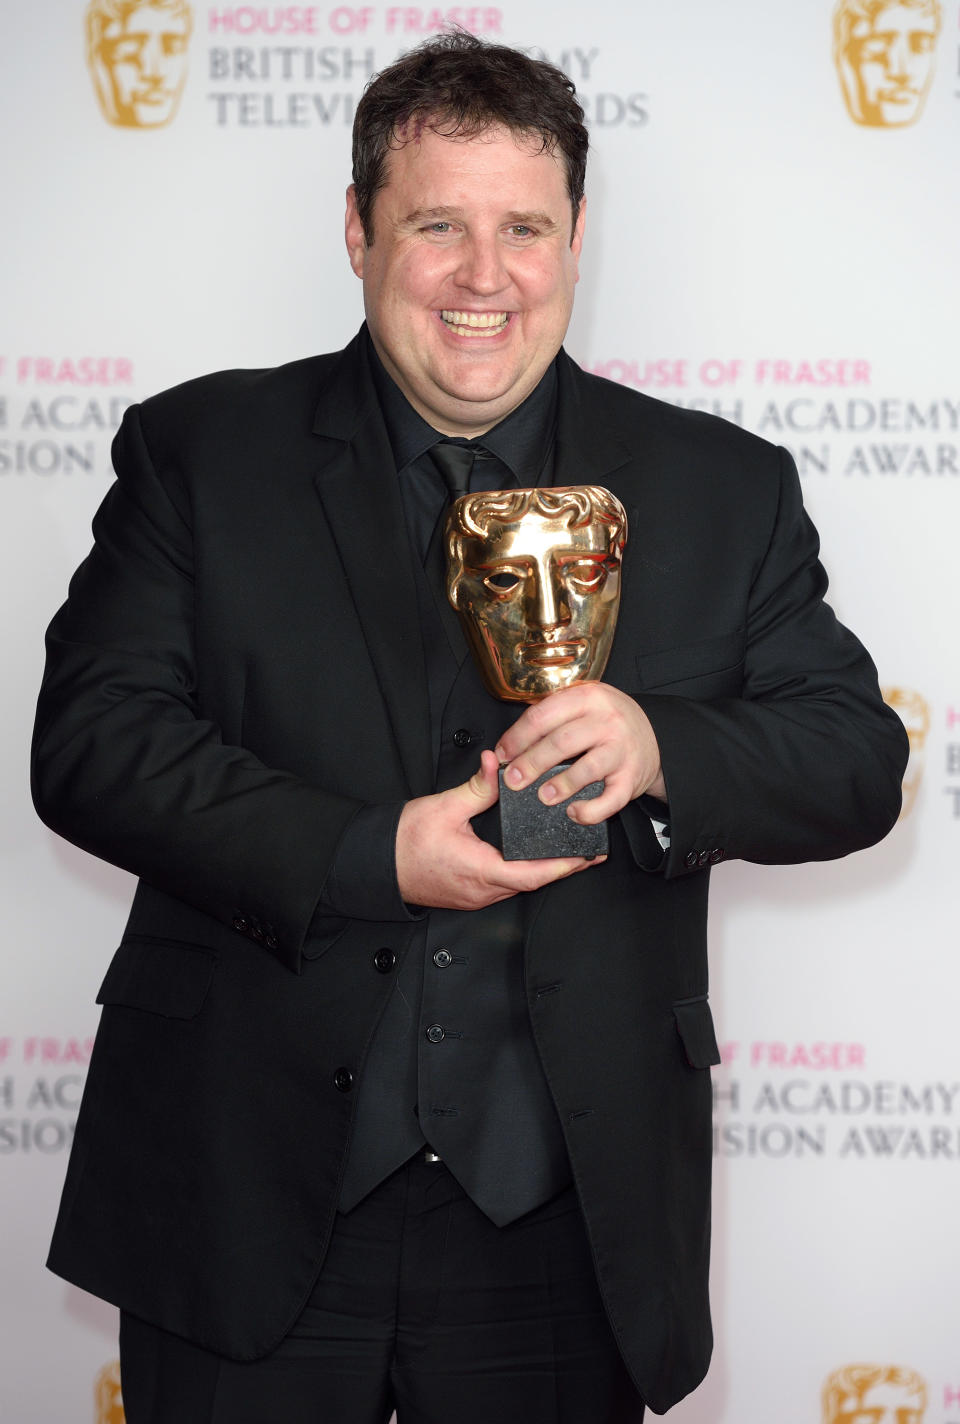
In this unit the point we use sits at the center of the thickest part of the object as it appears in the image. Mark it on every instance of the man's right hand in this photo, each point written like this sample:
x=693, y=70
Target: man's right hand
x=443, y=864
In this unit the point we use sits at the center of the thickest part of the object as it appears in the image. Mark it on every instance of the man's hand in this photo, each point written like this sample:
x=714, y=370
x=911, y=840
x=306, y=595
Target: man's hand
x=602, y=732
x=442, y=864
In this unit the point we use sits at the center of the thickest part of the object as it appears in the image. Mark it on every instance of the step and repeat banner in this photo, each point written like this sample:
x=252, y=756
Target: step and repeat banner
x=773, y=210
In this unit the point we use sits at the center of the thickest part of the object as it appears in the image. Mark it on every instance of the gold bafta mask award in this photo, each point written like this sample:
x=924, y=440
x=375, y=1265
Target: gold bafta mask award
x=535, y=576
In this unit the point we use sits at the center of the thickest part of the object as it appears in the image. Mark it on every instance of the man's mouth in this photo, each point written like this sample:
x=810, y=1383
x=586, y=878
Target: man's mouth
x=475, y=324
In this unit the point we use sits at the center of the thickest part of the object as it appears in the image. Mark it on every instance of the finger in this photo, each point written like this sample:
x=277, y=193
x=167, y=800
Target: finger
x=481, y=790
x=568, y=743
x=541, y=719
x=590, y=812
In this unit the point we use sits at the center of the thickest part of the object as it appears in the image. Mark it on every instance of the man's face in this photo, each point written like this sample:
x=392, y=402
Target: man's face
x=468, y=284
x=539, y=603
x=145, y=57
x=884, y=1403
x=893, y=61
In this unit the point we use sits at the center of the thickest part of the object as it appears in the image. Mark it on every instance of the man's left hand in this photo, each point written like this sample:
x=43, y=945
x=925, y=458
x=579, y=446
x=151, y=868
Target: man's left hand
x=602, y=732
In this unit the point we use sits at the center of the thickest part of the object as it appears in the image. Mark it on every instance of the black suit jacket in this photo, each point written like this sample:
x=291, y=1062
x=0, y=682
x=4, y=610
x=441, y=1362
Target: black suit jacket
x=238, y=669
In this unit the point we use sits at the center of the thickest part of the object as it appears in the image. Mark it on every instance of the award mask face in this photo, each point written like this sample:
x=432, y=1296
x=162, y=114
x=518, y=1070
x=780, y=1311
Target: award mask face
x=535, y=577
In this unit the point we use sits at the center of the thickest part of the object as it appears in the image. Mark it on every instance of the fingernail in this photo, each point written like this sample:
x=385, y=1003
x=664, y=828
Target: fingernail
x=499, y=753
x=548, y=792
x=514, y=776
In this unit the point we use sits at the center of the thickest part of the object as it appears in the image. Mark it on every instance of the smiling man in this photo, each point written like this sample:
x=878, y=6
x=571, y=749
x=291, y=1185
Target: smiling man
x=376, y=1119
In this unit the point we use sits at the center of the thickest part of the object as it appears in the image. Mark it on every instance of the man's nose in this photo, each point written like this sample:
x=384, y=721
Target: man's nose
x=481, y=268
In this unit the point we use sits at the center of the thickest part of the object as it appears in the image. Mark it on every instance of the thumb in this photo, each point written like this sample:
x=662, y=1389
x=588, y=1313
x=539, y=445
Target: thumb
x=482, y=790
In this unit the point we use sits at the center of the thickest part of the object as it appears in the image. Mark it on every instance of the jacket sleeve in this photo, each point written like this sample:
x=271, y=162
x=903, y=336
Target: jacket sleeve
x=125, y=765
x=807, y=763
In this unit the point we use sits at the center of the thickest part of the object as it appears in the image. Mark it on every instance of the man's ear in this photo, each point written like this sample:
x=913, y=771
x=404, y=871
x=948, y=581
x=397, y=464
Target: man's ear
x=576, y=244
x=354, y=234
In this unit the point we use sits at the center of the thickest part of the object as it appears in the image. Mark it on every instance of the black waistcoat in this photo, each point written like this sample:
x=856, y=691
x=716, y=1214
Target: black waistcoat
x=453, y=1064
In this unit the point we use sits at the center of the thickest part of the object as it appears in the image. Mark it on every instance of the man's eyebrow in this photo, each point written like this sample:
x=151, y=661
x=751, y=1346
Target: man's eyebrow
x=420, y=215
x=546, y=222
x=448, y=214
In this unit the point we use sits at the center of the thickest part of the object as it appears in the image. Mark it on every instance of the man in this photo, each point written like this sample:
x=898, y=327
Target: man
x=884, y=52
x=377, y=1119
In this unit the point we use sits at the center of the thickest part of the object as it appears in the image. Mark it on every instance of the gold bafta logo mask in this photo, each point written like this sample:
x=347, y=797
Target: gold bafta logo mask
x=915, y=712
x=884, y=53
x=535, y=577
x=874, y=1394
x=137, y=53
x=107, y=1395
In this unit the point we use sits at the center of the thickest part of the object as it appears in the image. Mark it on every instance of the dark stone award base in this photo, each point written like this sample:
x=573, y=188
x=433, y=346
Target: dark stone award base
x=530, y=830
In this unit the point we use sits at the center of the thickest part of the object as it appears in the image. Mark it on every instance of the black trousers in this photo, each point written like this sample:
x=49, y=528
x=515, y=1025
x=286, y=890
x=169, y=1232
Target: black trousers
x=423, y=1306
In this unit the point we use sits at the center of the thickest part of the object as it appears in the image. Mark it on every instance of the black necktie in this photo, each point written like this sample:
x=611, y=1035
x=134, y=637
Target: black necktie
x=455, y=463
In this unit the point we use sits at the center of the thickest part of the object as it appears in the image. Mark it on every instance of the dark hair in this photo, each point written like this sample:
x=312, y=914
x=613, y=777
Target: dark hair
x=458, y=84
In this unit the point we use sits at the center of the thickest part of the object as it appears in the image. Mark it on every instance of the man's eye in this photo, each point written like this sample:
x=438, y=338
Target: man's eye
x=520, y=230
x=501, y=582
x=440, y=227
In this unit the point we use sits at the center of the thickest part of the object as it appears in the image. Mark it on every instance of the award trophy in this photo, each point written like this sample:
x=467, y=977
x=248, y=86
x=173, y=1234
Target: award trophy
x=535, y=576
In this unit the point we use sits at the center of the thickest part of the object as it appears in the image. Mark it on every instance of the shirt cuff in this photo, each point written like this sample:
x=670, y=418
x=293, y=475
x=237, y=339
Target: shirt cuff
x=647, y=828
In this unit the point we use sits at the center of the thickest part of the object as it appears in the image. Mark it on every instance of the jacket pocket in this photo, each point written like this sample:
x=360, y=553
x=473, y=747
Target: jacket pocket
x=697, y=1034
x=719, y=659
x=162, y=976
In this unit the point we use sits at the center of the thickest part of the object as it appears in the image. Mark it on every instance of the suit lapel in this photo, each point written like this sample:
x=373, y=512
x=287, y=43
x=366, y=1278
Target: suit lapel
x=360, y=495
x=592, y=450
x=588, y=451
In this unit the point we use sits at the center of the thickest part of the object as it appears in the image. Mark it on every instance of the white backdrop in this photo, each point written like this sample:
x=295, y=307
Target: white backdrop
x=742, y=229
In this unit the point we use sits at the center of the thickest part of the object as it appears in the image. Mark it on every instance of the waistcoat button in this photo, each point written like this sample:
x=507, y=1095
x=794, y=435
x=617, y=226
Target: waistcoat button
x=435, y=1033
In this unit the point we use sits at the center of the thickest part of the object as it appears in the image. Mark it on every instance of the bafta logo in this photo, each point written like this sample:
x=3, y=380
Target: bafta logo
x=107, y=1395
x=874, y=1394
x=137, y=53
x=884, y=53
x=915, y=713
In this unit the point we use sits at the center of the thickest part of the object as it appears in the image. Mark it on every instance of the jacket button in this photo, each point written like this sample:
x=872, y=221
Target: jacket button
x=690, y=859
x=703, y=858
x=240, y=924
x=384, y=960
x=442, y=957
x=343, y=1080
x=435, y=1033
x=272, y=942
x=461, y=737
x=717, y=855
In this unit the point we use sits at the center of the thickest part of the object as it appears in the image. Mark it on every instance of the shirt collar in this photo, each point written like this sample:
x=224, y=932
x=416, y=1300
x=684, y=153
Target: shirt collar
x=521, y=440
